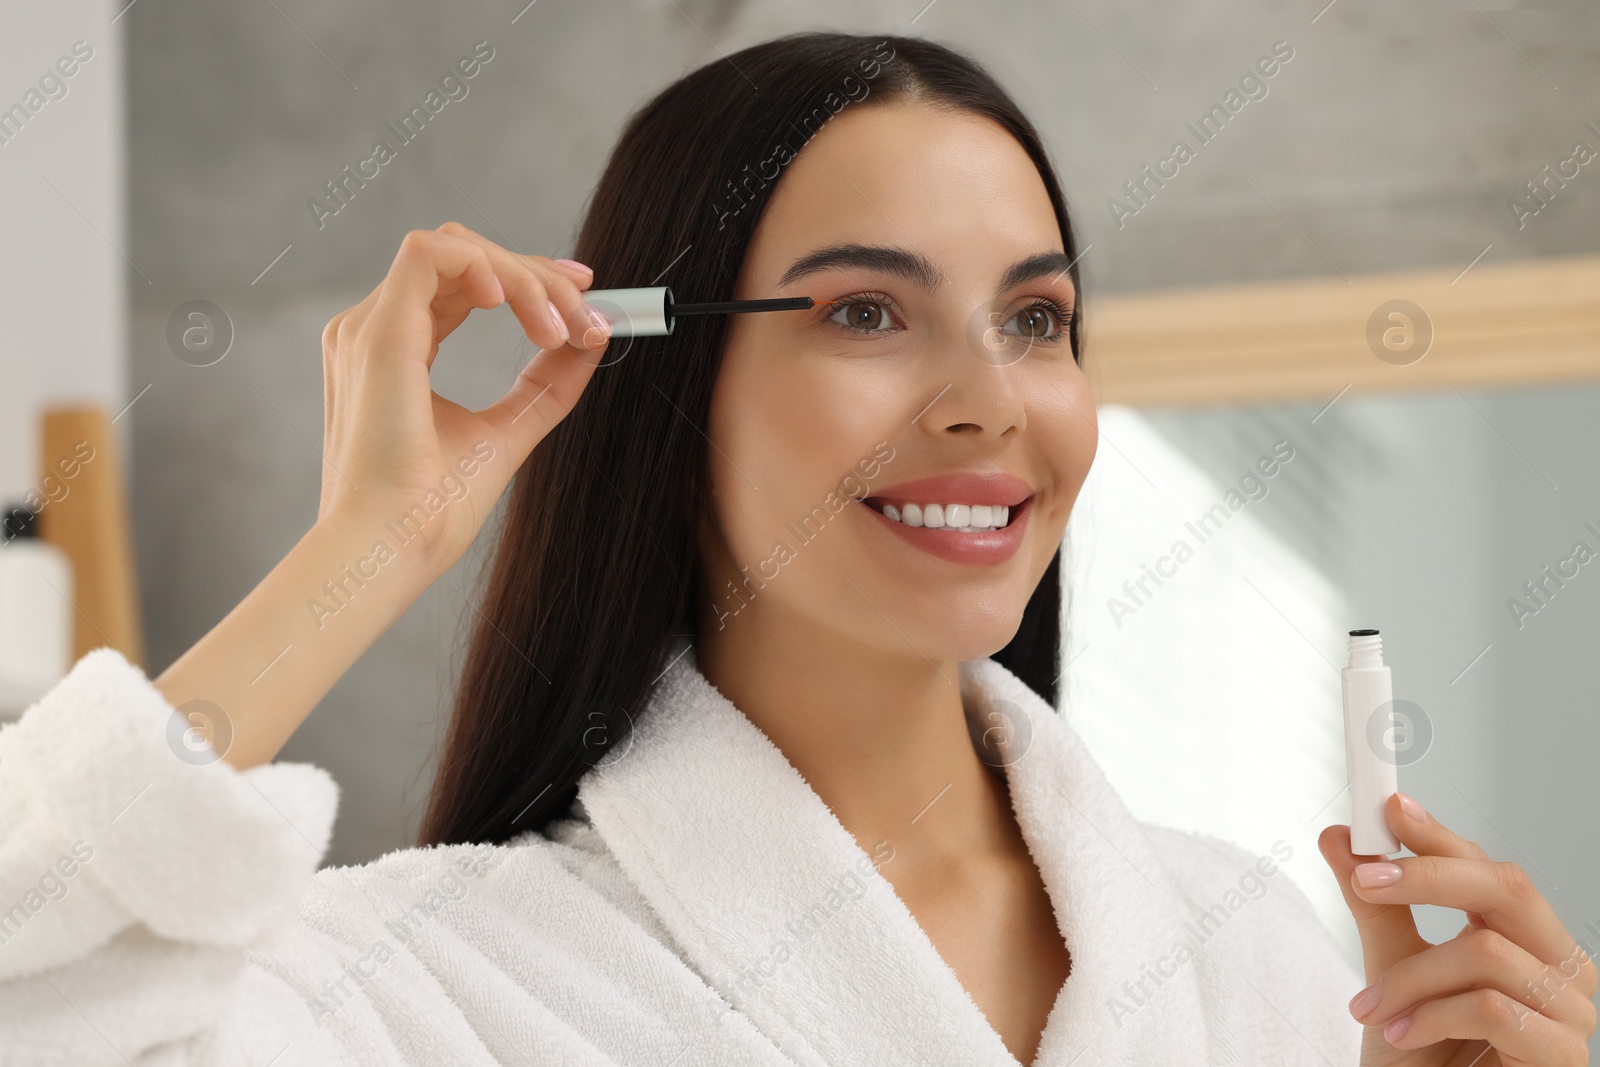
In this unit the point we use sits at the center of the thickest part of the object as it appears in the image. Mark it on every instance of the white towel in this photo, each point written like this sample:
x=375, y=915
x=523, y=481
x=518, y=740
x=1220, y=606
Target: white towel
x=702, y=906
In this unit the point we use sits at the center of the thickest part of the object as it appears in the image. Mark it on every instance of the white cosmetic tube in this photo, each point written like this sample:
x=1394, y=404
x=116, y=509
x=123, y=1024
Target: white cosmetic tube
x=1368, y=749
x=634, y=312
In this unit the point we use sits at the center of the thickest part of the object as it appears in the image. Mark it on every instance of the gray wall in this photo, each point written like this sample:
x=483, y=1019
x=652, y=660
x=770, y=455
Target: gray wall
x=1392, y=139
x=62, y=217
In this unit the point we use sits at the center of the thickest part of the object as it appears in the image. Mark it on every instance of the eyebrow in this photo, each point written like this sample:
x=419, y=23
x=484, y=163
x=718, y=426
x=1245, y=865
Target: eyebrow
x=914, y=266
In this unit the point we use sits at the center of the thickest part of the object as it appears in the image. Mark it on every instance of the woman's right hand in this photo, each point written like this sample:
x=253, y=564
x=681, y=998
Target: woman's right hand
x=392, y=447
x=396, y=458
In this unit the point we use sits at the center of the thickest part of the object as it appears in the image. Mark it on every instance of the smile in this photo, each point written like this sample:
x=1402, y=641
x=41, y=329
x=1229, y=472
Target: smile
x=966, y=518
x=960, y=533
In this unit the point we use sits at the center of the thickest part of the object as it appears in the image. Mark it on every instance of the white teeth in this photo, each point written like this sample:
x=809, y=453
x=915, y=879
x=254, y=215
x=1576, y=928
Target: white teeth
x=965, y=517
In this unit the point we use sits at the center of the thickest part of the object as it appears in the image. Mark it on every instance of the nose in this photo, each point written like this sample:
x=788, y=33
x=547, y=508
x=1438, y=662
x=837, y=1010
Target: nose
x=973, y=397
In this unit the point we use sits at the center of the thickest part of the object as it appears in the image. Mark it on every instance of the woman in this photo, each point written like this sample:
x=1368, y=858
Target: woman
x=732, y=776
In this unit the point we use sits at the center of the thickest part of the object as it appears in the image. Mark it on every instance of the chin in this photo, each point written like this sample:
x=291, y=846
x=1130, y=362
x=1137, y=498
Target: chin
x=970, y=639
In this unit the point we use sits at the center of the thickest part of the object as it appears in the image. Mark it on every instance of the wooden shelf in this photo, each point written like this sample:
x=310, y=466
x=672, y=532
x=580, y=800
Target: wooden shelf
x=90, y=523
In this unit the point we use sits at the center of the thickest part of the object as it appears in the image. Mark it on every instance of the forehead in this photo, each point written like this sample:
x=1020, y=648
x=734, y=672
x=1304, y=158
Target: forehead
x=953, y=184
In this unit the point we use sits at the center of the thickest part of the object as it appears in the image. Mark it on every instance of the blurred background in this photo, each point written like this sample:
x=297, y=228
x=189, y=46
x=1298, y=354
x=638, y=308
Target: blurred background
x=1441, y=464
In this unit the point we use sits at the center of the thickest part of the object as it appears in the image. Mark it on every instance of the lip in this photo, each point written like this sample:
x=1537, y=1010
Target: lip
x=959, y=487
x=972, y=549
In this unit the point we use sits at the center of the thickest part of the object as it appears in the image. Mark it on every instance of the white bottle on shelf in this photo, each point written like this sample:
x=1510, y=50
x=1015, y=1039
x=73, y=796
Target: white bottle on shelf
x=36, y=613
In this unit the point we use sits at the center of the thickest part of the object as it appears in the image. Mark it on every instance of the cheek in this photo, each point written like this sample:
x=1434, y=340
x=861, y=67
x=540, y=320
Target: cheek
x=1067, y=431
x=784, y=438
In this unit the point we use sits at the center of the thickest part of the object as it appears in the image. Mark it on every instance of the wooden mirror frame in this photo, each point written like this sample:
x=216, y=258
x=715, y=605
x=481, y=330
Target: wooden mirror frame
x=1520, y=323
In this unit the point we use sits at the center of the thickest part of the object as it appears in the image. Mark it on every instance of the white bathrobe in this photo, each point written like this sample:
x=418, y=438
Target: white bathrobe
x=704, y=906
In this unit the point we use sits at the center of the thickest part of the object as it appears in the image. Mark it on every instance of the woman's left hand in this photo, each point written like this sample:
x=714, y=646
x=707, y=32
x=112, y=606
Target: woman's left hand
x=1513, y=987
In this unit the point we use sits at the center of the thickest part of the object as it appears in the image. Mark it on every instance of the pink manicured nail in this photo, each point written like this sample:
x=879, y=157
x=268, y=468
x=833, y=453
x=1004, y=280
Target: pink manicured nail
x=601, y=323
x=597, y=335
x=1364, y=1001
x=1372, y=875
x=575, y=265
x=1410, y=806
x=561, y=323
x=1397, y=1029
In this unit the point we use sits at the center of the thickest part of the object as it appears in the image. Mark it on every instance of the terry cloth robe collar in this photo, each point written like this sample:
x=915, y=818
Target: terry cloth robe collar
x=779, y=909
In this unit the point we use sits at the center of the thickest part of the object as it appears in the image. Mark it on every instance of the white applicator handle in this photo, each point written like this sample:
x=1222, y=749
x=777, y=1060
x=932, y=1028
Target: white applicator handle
x=1369, y=761
x=634, y=312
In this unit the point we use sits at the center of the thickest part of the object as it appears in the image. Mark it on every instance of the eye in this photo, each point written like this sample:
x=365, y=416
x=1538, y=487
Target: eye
x=863, y=313
x=1039, y=317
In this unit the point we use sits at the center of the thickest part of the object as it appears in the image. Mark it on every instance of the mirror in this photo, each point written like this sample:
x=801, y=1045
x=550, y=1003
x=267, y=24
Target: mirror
x=1406, y=451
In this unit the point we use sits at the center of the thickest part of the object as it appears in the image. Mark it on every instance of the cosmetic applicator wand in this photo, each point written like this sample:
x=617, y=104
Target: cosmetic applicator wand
x=650, y=312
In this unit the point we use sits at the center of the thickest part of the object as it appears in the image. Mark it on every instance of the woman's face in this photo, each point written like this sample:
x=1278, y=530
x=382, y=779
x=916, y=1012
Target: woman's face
x=924, y=376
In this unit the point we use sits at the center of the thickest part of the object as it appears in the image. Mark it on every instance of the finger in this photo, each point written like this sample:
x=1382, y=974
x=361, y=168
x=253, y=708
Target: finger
x=531, y=293
x=543, y=394
x=1388, y=930
x=582, y=273
x=587, y=328
x=1516, y=1032
x=1500, y=891
x=454, y=303
x=1424, y=835
x=428, y=265
x=1481, y=959
x=548, y=292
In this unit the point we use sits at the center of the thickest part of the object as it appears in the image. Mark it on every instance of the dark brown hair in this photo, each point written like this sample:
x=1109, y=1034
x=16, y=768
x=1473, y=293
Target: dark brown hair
x=596, y=566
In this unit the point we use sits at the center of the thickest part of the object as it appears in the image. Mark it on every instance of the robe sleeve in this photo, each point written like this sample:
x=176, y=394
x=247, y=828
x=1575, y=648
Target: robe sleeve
x=138, y=871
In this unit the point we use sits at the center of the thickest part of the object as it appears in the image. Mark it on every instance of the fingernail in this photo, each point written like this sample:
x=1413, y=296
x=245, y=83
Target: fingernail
x=1397, y=1029
x=561, y=323
x=1372, y=875
x=1364, y=1001
x=601, y=323
x=500, y=289
x=1410, y=806
x=575, y=265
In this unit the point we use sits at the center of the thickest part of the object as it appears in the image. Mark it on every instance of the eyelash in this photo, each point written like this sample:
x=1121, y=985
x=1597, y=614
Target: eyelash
x=1062, y=317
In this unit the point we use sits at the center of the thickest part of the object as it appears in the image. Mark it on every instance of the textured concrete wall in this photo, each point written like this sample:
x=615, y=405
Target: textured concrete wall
x=1392, y=138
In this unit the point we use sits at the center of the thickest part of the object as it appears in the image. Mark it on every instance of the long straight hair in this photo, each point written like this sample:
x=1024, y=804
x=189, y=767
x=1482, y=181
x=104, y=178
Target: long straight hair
x=596, y=570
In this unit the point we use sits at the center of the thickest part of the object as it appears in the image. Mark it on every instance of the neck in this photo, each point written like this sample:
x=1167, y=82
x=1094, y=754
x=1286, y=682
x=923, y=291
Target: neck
x=880, y=736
